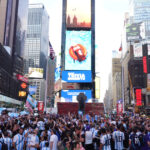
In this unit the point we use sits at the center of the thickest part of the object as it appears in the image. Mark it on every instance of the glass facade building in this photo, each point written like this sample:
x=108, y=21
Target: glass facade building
x=36, y=44
x=140, y=10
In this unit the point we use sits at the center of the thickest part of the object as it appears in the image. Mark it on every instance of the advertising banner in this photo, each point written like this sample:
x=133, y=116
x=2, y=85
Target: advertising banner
x=70, y=86
x=32, y=101
x=78, y=16
x=32, y=89
x=22, y=78
x=138, y=50
x=97, y=87
x=76, y=76
x=78, y=50
x=138, y=97
x=135, y=31
x=57, y=73
x=35, y=72
x=41, y=106
x=148, y=82
x=119, y=107
x=71, y=95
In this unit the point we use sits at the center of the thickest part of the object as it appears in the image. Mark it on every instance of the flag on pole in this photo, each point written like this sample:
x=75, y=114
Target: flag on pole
x=32, y=101
x=52, y=52
x=29, y=107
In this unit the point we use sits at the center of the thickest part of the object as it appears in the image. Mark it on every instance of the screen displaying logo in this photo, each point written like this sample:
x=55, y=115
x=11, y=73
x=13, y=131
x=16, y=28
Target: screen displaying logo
x=71, y=95
x=78, y=50
x=76, y=76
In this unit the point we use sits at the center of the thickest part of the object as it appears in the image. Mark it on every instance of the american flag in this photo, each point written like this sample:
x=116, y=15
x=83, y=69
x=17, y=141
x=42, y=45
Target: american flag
x=51, y=53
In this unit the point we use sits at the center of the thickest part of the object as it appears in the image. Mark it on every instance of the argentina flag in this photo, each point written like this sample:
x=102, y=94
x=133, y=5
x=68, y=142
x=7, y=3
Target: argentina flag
x=32, y=101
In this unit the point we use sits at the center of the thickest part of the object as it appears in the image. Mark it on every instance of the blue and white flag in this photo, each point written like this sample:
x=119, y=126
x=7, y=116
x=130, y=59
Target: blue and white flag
x=88, y=118
x=32, y=101
x=32, y=89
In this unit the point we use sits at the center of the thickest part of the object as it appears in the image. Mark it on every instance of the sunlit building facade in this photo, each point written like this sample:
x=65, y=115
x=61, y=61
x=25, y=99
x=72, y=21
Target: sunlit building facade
x=36, y=44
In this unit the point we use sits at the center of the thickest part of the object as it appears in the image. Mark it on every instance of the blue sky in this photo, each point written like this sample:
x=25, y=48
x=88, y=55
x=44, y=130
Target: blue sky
x=109, y=25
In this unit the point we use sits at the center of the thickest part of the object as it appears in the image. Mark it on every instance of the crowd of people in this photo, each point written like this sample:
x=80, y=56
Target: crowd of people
x=74, y=132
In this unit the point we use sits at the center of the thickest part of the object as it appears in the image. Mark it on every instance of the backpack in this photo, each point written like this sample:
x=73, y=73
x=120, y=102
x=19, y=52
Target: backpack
x=135, y=142
x=4, y=146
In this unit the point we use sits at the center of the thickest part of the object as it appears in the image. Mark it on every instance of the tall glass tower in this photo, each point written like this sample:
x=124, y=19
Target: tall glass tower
x=36, y=44
x=140, y=10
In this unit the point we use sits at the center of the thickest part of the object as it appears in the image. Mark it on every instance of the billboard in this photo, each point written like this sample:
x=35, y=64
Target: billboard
x=120, y=107
x=138, y=52
x=78, y=50
x=71, y=95
x=35, y=72
x=78, y=16
x=138, y=97
x=57, y=73
x=97, y=87
x=135, y=31
x=76, y=76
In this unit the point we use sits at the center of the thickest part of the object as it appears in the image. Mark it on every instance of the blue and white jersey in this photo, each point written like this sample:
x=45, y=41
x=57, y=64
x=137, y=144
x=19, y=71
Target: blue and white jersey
x=41, y=125
x=8, y=141
x=45, y=148
x=118, y=137
x=105, y=140
x=42, y=144
x=19, y=142
x=32, y=139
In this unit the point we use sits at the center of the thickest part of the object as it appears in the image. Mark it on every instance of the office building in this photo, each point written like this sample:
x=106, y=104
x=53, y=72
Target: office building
x=37, y=41
x=40, y=92
x=139, y=10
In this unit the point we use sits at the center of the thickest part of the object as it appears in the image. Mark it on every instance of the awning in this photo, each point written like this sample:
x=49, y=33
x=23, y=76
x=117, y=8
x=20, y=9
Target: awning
x=9, y=100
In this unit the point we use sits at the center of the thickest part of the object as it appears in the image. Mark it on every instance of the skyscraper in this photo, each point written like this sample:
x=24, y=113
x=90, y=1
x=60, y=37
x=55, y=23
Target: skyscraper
x=140, y=10
x=36, y=44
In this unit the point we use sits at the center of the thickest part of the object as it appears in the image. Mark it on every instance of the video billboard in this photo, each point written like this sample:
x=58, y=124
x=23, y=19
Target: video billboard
x=76, y=76
x=135, y=31
x=78, y=50
x=35, y=72
x=71, y=95
x=78, y=16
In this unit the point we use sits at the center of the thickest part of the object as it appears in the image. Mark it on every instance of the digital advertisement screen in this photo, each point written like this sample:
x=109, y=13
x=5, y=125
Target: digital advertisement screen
x=78, y=50
x=78, y=15
x=71, y=95
x=35, y=72
x=76, y=76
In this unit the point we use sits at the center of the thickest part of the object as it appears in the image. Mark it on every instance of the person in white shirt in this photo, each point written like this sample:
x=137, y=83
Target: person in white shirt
x=53, y=140
x=88, y=139
x=32, y=140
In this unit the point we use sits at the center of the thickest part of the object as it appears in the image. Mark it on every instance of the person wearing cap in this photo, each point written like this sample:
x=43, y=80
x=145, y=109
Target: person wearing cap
x=53, y=140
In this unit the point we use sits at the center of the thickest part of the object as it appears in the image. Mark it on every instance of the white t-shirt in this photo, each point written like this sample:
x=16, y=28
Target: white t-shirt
x=54, y=139
x=88, y=137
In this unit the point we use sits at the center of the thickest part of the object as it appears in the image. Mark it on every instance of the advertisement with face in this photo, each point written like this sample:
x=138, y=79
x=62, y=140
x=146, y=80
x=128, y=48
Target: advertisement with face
x=78, y=16
x=78, y=50
x=71, y=95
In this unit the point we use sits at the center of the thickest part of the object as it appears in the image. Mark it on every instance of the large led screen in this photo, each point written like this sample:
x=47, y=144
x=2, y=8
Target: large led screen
x=76, y=76
x=78, y=50
x=78, y=15
x=71, y=95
